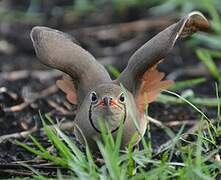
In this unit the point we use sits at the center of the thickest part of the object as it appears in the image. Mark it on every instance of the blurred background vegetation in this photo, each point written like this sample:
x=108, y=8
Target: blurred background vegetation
x=18, y=16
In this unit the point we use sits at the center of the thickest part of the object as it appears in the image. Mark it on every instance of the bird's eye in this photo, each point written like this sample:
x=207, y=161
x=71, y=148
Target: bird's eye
x=122, y=98
x=93, y=97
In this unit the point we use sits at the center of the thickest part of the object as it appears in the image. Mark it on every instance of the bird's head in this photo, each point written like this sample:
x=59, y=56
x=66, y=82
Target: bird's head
x=108, y=103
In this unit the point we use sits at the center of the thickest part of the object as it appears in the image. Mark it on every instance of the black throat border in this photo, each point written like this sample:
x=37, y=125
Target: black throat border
x=96, y=129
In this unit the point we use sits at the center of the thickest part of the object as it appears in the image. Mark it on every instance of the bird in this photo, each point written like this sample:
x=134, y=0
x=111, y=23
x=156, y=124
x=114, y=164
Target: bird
x=101, y=99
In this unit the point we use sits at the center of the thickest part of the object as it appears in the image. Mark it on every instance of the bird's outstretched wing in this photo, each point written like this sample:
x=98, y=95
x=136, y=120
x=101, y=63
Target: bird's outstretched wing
x=57, y=50
x=140, y=76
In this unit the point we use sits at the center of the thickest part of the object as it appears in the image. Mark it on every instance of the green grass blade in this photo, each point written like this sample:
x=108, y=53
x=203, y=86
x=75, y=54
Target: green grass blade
x=205, y=102
x=60, y=146
x=37, y=143
x=113, y=71
x=187, y=83
x=75, y=150
x=44, y=155
x=206, y=58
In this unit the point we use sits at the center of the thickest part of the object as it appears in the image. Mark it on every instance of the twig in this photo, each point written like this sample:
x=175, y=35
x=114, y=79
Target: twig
x=179, y=123
x=63, y=126
x=46, y=92
x=193, y=71
x=115, y=30
x=29, y=161
x=38, y=166
x=17, y=169
x=22, y=134
x=124, y=47
x=16, y=172
x=58, y=107
x=39, y=74
x=156, y=122
x=171, y=123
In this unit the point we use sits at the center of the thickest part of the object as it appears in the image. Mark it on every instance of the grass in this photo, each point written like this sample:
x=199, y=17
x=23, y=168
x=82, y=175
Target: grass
x=206, y=57
x=180, y=159
x=203, y=102
x=187, y=83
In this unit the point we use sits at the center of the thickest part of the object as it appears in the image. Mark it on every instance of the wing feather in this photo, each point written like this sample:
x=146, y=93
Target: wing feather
x=151, y=86
x=67, y=86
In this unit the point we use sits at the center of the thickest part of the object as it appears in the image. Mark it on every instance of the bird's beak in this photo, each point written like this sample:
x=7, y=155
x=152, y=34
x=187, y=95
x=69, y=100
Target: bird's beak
x=108, y=101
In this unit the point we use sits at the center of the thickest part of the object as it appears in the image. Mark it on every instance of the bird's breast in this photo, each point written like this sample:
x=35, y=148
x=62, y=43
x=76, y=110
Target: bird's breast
x=108, y=116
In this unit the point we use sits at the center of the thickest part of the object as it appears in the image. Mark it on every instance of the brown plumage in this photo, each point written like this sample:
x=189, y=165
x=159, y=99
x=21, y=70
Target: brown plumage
x=151, y=85
x=67, y=86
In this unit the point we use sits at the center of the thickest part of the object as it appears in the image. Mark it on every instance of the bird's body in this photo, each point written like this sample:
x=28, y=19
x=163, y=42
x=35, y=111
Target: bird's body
x=110, y=106
x=101, y=99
